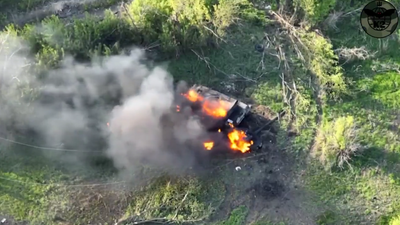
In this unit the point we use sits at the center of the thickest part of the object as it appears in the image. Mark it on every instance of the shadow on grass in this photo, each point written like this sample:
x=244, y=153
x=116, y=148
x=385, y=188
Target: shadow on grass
x=375, y=170
x=375, y=113
x=376, y=133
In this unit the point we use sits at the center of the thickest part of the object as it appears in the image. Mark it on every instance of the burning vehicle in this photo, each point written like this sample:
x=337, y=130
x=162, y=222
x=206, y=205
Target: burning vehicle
x=224, y=118
x=222, y=114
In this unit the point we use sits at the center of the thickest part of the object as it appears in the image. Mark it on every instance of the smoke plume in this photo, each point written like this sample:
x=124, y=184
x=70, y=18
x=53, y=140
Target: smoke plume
x=72, y=105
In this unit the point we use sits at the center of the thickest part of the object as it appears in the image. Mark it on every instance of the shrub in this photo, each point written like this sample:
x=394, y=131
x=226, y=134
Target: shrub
x=16, y=86
x=48, y=57
x=168, y=21
x=336, y=142
x=315, y=10
x=323, y=63
x=395, y=220
x=177, y=200
x=88, y=33
x=181, y=23
x=175, y=24
x=81, y=38
x=237, y=216
x=224, y=14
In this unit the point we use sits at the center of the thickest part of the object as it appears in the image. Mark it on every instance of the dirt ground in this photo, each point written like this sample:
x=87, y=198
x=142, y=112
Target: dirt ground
x=269, y=184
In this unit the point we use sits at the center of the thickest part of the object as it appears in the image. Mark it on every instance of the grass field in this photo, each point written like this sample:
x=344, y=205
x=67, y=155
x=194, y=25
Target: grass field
x=295, y=180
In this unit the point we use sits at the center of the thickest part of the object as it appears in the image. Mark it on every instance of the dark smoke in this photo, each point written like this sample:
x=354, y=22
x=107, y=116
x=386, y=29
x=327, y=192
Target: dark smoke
x=71, y=106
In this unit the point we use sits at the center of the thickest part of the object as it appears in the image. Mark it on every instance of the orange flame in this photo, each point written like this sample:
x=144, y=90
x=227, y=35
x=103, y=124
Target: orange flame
x=193, y=96
x=214, y=108
x=238, y=141
x=208, y=145
x=218, y=109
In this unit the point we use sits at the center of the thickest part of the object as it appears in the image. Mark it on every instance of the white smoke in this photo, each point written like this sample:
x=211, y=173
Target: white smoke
x=71, y=108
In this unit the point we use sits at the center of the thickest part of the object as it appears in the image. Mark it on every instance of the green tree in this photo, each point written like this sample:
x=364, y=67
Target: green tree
x=315, y=10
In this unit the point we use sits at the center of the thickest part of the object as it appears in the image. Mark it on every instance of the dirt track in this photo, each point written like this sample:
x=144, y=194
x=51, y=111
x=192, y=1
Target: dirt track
x=64, y=9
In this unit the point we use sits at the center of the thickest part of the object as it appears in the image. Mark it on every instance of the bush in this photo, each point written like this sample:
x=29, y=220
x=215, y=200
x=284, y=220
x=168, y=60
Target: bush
x=336, y=142
x=52, y=38
x=174, y=24
x=225, y=14
x=177, y=200
x=87, y=34
x=237, y=216
x=181, y=23
x=395, y=220
x=315, y=10
x=323, y=63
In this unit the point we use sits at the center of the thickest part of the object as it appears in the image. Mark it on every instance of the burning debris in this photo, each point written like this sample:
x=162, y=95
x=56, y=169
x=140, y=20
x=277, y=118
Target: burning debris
x=238, y=140
x=220, y=113
x=208, y=145
x=222, y=116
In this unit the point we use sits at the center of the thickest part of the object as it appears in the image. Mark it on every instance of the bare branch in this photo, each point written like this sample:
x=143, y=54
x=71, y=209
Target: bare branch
x=180, y=205
x=349, y=54
x=215, y=34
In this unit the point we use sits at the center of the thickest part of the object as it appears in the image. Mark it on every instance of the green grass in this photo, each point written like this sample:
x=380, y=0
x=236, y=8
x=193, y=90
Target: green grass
x=42, y=197
x=178, y=200
x=237, y=216
x=369, y=188
x=42, y=191
x=83, y=204
x=30, y=189
x=327, y=218
x=236, y=63
x=265, y=222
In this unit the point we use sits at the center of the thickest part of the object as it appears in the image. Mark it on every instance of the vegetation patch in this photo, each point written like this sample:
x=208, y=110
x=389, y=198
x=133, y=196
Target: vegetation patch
x=337, y=142
x=30, y=190
x=237, y=216
x=179, y=200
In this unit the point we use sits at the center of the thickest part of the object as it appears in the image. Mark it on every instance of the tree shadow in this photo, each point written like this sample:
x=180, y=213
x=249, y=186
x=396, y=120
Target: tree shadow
x=370, y=115
x=376, y=157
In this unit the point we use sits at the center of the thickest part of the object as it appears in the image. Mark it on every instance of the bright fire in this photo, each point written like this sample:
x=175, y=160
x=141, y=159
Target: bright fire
x=219, y=109
x=238, y=141
x=208, y=145
x=212, y=108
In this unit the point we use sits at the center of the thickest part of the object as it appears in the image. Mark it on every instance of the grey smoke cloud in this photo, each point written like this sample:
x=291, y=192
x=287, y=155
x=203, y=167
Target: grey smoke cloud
x=71, y=108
